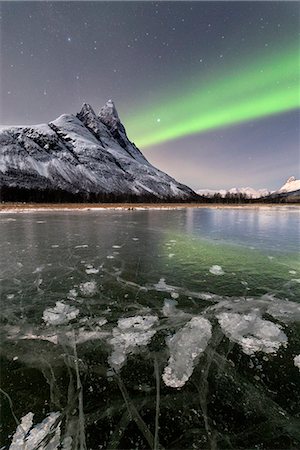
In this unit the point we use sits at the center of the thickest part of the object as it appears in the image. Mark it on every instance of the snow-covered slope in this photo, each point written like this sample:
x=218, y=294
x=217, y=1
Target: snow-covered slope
x=290, y=185
x=86, y=153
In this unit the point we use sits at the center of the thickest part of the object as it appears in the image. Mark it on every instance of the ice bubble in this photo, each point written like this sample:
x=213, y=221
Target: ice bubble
x=169, y=308
x=60, y=314
x=216, y=270
x=185, y=348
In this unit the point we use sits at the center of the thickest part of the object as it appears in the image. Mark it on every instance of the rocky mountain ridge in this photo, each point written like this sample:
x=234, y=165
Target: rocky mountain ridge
x=86, y=155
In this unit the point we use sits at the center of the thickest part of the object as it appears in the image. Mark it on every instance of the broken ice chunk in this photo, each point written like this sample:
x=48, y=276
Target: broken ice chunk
x=89, y=288
x=131, y=332
x=28, y=438
x=297, y=361
x=60, y=314
x=185, y=348
x=252, y=333
x=216, y=270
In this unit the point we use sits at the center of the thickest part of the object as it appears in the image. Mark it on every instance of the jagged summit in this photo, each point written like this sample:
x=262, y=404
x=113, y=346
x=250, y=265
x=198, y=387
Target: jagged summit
x=86, y=154
x=109, y=110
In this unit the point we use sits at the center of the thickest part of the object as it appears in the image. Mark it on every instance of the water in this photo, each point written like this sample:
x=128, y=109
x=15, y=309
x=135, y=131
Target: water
x=151, y=329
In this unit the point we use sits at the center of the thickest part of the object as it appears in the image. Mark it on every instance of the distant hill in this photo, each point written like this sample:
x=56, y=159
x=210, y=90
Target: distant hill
x=289, y=192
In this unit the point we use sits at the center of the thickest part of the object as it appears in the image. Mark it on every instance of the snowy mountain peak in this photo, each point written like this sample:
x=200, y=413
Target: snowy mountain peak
x=108, y=114
x=291, y=179
x=86, y=109
x=291, y=185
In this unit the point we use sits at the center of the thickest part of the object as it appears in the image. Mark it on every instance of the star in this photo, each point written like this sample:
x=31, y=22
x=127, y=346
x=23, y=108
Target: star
x=158, y=120
x=69, y=39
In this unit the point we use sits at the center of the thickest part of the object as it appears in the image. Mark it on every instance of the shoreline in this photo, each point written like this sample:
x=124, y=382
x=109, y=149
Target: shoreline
x=9, y=208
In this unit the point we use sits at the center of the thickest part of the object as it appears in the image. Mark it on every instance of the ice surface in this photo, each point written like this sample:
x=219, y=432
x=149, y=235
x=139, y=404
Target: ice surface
x=131, y=332
x=252, y=333
x=60, y=314
x=185, y=348
x=216, y=270
x=28, y=437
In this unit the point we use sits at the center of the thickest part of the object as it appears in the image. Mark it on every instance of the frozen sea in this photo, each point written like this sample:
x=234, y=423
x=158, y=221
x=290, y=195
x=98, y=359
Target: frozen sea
x=175, y=329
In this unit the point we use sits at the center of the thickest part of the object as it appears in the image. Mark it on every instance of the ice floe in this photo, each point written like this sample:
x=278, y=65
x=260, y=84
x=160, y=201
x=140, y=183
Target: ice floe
x=185, y=347
x=251, y=332
x=131, y=332
x=60, y=314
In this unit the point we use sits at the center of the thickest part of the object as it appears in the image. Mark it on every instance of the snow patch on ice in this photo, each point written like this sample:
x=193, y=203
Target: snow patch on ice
x=60, y=314
x=185, y=348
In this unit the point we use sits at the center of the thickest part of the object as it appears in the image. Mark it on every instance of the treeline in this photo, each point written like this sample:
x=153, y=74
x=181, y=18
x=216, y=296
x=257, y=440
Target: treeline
x=239, y=198
x=16, y=194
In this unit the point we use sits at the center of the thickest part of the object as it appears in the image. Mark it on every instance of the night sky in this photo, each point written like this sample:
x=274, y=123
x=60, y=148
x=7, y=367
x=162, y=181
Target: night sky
x=209, y=91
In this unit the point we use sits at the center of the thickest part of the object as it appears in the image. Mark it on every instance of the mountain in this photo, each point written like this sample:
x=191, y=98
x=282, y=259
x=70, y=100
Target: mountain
x=248, y=191
x=289, y=192
x=80, y=157
x=291, y=185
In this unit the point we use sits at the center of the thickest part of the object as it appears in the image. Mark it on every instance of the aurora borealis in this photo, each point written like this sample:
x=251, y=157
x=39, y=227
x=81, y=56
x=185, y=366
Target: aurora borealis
x=209, y=91
x=265, y=88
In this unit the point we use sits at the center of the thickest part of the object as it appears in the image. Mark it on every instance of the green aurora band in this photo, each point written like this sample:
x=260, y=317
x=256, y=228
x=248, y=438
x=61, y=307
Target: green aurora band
x=268, y=87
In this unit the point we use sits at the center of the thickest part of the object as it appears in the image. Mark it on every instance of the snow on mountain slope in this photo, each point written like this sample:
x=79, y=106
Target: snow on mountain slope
x=290, y=185
x=85, y=153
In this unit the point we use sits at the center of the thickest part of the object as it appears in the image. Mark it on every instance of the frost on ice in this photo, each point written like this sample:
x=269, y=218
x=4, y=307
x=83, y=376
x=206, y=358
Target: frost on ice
x=185, y=347
x=28, y=437
x=130, y=333
x=216, y=270
x=60, y=314
x=252, y=333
